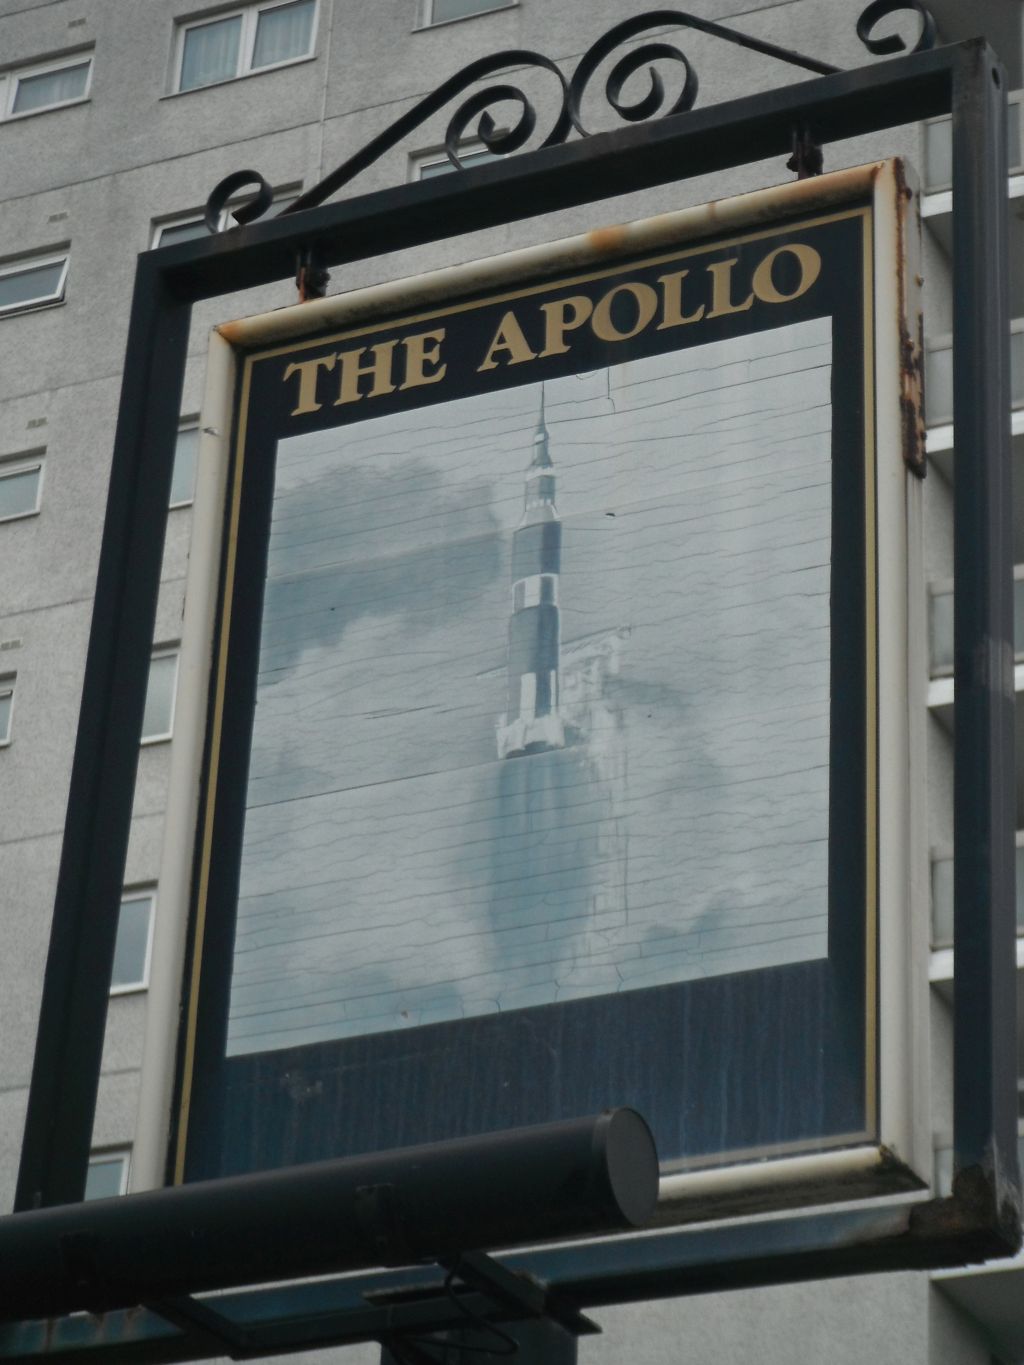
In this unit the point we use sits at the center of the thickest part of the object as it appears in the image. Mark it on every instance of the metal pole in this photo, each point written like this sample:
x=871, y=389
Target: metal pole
x=575, y=1178
x=984, y=1051
x=69, y=1047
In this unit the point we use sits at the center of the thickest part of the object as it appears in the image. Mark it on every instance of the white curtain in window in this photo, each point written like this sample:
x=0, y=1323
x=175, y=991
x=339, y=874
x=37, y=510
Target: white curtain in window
x=283, y=32
x=50, y=87
x=210, y=53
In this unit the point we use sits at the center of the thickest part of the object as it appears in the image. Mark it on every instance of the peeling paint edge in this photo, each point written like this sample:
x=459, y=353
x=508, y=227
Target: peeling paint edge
x=598, y=246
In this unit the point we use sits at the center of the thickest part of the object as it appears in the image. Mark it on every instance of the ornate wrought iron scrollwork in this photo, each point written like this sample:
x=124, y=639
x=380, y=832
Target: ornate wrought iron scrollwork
x=227, y=189
x=568, y=117
x=881, y=9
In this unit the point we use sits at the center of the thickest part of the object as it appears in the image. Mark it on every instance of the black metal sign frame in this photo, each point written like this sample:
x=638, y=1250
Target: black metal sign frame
x=981, y=1218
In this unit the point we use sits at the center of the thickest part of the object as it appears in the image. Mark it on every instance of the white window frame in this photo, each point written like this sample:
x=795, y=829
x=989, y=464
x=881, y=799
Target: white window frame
x=100, y=1155
x=168, y=651
x=249, y=15
x=437, y=156
x=140, y=893
x=8, y=683
x=944, y=342
x=283, y=196
x=20, y=266
x=427, y=19
x=12, y=78
x=1016, y=111
x=13, y=465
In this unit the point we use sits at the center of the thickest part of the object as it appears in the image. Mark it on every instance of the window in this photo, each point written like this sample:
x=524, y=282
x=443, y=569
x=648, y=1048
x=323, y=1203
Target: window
x=243, y=41
x=938, y=147
x=6, y=706
x=938, y=375
x=444, y=11
x=134, y=942
x=942, y=893
x=158, y=717
x=20, y=481
x=32, y=283
x=940, y=612
x=107, y=1176
x=46, y=85
x=437, y=163
x=188, y=226
x=183, y=477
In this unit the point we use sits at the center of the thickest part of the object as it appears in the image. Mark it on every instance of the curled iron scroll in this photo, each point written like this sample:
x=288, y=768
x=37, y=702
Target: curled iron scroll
x=881, y=9
x=567, y=117
x=227, y=189
x=651, y=103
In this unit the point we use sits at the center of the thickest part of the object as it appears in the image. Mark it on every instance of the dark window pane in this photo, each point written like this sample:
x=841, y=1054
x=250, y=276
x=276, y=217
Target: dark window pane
x=132, y=945
x=184, y=476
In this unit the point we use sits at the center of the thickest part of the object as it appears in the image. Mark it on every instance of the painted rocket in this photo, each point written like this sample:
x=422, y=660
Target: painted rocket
x=531, y=723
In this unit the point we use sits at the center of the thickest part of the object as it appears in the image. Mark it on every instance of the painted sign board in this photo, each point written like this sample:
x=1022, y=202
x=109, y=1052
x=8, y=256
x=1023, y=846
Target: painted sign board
x=550, y=719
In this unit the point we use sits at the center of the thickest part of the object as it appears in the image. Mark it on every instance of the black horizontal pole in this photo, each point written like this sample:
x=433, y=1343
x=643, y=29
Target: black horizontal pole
x=579, y=1177
x=650, y=1265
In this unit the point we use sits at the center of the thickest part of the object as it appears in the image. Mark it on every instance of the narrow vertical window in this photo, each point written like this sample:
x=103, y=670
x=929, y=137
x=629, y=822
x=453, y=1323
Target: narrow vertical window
x=6, y=706
x=134, y=942
x=158, y=717
x=183, y=477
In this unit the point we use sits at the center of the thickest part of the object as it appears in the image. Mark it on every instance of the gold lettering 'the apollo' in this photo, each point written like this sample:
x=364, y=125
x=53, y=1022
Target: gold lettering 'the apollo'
x=423, y=365
x=810, y=268
x=672, y=302
x=561, y=316
x=646, y=307
x=721, y=290
x=509, y=337
x=308, y=372
x=421, y=351
x=353, y=369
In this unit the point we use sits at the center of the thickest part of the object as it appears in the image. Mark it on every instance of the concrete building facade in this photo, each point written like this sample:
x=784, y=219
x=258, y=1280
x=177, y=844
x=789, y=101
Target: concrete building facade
x=116, y=121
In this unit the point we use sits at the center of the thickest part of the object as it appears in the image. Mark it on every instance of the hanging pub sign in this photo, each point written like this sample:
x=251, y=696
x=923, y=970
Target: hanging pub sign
x=556, y=737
